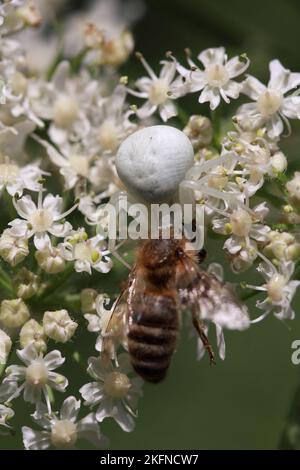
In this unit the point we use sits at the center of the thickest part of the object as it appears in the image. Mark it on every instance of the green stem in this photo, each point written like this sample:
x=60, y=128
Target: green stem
x=250, y=295
x=73, y=301
x=4, y=275
x=60, y=280
x=216, y=117
x=182, y=115
x=77, y=60
x=9, y=205
x=5, y=283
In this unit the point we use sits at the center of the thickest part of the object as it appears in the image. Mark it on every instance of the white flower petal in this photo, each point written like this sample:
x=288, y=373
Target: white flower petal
x=26, y=206
x=274, y=126
x=54, y=359
x=19, y=228
x=232, y=89
x=123, y=418
x=28, y=354
x=96, y=368
x=57, y=381
x=89, y=429
x=7, y=389
x=212, y=56
x=92, y=393
x=291, y=107
x=35, y=440
x=94, y=322
x=32, y=394
x=252, y=87
x=212, y=95
x=167, y=110
x=106, y=409
x=15, y=372
x=70, y=409
x=168, y=71
x=146, y=110
x=60, y=229
x=236, y=67
x=42, y=241
x=282, y=79
x=53, y=204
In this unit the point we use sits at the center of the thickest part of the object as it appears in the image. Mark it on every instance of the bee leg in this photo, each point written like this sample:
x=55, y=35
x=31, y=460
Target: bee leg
x=200, y=330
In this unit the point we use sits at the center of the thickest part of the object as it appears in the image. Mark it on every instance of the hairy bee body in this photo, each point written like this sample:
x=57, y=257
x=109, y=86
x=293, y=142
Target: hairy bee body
x=152, y=334
x=154, y=326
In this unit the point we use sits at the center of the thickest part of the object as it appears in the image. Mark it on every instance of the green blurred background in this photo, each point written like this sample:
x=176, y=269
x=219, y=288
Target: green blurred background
x=243, y=402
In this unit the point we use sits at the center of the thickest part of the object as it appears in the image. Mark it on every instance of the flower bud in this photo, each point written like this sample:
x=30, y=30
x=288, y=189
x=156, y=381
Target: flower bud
x=275, y=287
x=93, y=36
x=12, y=249
x=33, y=332
x=19, y=83
x=6, y=414
x=278, y=162
x=293, y=252
x=199, y=131
x=282, y=246
x=25, y=283
x=30, y=14
x=50, y=260
x=115, y=51
x=293, y=187
x=5, y=346
x=59, y=326
x=88, y=298
x=13, y=313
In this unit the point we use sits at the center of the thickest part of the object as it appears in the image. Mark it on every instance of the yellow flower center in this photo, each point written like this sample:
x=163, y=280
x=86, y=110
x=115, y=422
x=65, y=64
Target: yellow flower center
x=64, y=434
x=117, y=384
x=269, y=102
x=37, y=374
x=80, y=165
x=65, y=111
x=108, y=136
x=158, y=92
x=216, y=75
x=41, y=220
x=240, y=222
x=85, y=252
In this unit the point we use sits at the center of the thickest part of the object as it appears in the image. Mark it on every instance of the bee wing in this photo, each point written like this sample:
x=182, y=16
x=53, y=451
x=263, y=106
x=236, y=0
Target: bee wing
x=208, y=298
x=116, y=325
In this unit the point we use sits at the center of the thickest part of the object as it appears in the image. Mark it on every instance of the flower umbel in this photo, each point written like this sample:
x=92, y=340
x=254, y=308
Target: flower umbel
x=37, y=376
x=115, y=392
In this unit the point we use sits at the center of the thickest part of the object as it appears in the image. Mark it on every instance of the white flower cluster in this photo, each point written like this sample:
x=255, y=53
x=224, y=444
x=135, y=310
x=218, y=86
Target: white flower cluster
x=59, y=135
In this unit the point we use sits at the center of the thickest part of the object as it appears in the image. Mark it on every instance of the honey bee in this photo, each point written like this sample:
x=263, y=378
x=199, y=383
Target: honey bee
x=165, y=280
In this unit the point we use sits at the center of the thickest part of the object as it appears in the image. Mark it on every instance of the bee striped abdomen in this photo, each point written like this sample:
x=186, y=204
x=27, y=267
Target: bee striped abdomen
x=153, y=334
